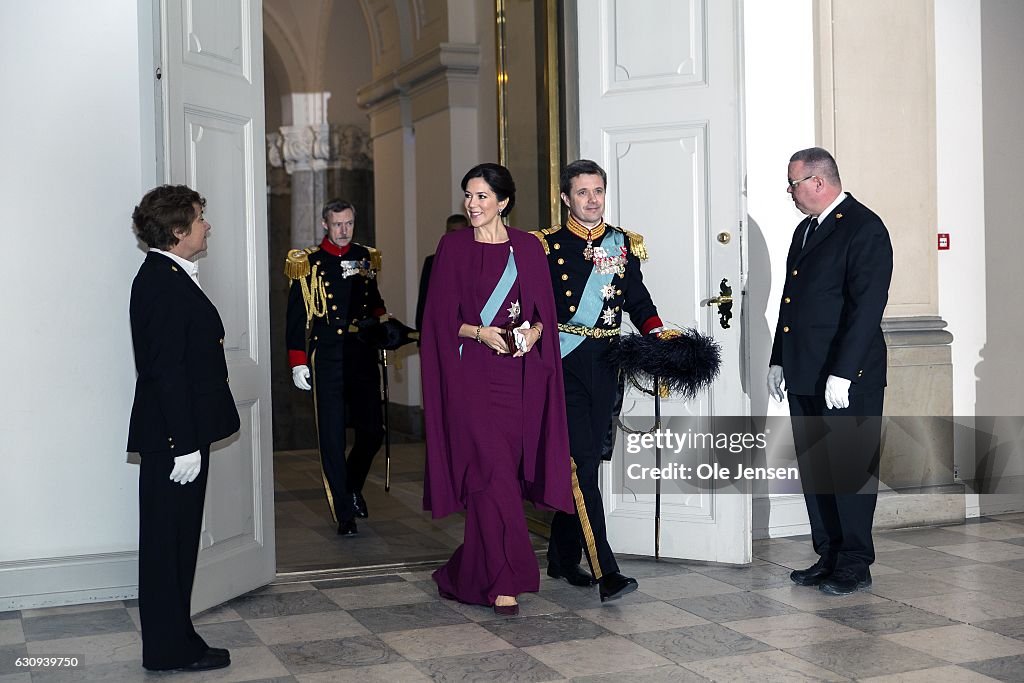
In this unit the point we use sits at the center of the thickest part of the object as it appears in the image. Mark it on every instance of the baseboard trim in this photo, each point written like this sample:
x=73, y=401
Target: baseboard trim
x=72, y=580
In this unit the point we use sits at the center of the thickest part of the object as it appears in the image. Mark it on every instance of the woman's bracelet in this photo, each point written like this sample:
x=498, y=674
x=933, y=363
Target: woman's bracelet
x=477, y=336
x=539, y=330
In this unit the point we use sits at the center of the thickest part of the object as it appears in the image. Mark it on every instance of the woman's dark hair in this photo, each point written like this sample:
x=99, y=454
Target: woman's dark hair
x=500, y=180
x=163, y=210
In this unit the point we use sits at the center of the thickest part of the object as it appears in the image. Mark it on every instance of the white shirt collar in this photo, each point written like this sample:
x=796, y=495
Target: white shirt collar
x=190, y=267
x=832, y=207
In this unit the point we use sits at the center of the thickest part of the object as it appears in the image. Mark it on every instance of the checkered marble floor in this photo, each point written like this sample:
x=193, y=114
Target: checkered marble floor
x=947, y=605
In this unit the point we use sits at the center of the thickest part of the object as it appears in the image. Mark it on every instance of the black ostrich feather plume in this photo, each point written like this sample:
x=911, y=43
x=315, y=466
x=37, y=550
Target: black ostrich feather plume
x=685, y=361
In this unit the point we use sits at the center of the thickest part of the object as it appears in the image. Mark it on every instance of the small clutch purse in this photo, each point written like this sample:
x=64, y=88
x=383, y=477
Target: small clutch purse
x=508, y=335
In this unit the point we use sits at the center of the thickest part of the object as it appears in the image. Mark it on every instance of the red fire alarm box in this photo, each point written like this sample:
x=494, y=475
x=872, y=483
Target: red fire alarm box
x=943, y=241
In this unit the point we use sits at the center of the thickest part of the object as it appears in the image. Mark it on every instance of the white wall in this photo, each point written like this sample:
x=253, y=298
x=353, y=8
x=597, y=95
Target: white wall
x=73, y=170
x=960, y=188
x=780, y=114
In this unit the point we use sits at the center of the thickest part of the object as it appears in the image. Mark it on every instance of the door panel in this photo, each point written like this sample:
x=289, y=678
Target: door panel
x=660, y=92
x=213, y=76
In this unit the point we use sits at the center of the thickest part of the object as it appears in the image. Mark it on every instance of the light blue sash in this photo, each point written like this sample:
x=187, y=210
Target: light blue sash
x=499, y=293
x=591, y=302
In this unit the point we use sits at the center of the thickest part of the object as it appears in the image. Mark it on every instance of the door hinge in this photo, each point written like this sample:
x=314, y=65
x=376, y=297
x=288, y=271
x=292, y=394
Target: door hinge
x=159, y=73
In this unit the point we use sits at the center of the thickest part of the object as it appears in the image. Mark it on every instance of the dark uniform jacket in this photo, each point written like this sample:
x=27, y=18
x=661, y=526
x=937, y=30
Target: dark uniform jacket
x=182, y=398
x=836, y=289
x=351, y=296
x=570, y=272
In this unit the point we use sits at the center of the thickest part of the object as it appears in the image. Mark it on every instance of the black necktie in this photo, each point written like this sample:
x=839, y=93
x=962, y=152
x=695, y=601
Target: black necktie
x=810, y=230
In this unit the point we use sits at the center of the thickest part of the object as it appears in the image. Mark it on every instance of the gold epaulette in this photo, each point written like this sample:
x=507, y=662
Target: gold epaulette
x=636, y=244
x=542, y=236
x=376, y=260
x=297, y=263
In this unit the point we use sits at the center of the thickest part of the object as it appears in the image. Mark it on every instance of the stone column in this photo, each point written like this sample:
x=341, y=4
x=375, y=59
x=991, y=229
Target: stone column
x=303, y=146
x=875, y=72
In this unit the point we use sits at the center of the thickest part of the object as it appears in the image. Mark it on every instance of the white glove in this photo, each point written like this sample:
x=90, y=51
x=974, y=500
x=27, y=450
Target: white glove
x=186, y=468
x=775, y=381
x=300, y=377
x=520, y=339
x=837, y=392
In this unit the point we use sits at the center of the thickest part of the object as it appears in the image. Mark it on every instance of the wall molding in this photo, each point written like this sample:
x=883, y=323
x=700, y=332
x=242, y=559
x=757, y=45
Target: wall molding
x=70, y=580
x=446, y=60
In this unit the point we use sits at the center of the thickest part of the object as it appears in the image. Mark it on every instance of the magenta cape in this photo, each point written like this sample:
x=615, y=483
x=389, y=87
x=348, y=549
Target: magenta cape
x=455, y=405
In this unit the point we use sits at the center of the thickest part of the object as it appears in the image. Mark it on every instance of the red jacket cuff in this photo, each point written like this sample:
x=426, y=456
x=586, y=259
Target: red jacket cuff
x=378, y=312
x=652, y=323
x=296, y=358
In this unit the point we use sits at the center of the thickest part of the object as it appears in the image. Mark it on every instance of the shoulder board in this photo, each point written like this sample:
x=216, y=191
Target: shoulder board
x=636, y=243
x=376, y=260
x=542, y=236
x=297, y=263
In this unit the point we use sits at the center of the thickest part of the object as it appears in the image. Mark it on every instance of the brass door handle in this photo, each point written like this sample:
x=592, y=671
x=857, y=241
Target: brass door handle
x=724, y=303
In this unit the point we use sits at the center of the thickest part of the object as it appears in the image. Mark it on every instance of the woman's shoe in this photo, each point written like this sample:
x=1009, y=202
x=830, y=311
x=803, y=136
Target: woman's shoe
x=507, y=610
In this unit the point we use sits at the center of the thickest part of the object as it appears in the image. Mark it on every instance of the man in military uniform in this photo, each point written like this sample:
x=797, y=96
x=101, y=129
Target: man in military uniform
x=595, y=268
x=333, y=295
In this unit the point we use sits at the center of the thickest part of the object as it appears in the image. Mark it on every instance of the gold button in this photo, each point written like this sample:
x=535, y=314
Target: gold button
x=330, y=296
x=170, y=438
x=334, y=307
x=221, y=342
x=568, y=292
x=561, y=261
x=341, y=331
x=228, y=380
x=616, y=308
x=619, y=292
x=795, y=271
x=786, y=300
x=327, y=284
x=860, y=373
x=174, y=268
x=786, y=328
x=172, y=446
x=315, y=338
x=557, y=245
x=564, y=276
x=572, y=309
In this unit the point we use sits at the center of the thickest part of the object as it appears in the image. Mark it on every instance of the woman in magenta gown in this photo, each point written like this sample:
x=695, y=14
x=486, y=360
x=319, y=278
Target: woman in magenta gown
x=495, y=411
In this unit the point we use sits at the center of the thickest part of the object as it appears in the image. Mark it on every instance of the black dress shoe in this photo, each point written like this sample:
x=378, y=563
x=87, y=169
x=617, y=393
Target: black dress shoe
x=359, y=503
x=218, y=650
x=575, y=576
x=347, y=527
x=813, y=575
x=210, y=660
x=614, y=586
x=845, y=582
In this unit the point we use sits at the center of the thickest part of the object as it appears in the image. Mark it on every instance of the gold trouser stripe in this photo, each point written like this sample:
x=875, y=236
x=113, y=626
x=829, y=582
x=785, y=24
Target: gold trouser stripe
x=316, y=423
x=588, y=533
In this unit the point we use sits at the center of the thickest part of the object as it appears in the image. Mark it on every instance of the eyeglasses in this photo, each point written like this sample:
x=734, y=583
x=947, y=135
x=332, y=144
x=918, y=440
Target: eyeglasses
x=794, y=183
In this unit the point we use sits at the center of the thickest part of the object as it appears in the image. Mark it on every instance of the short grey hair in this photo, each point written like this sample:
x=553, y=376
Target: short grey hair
x=820, y=162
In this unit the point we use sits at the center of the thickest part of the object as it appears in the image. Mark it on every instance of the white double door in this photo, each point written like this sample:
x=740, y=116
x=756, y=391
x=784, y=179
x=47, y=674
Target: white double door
x=659, y=96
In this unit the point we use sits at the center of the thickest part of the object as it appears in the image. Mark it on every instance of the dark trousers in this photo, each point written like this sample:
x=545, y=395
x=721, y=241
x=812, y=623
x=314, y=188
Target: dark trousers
x=591, y=389
x=346, y=379
x=838, y=456
x=170, y=521
x=365, y=409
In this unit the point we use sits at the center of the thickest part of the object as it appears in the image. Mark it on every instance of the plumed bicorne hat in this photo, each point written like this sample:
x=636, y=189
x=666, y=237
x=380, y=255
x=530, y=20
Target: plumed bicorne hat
x=685, y=361
x=388, y=335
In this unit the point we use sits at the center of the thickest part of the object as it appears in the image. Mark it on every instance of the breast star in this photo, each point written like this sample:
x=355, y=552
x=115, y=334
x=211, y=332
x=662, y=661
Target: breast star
x=608, y=316
x=608, y=291
x=513, y=310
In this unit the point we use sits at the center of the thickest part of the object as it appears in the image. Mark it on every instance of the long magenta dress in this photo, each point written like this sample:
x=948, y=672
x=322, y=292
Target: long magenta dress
x=496, y=430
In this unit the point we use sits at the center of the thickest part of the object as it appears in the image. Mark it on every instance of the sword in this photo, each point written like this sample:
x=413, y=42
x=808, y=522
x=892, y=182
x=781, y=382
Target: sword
x=387, y=422
x=657, y=464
